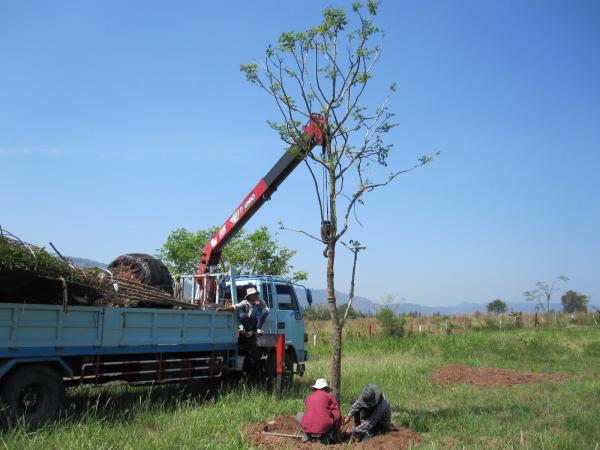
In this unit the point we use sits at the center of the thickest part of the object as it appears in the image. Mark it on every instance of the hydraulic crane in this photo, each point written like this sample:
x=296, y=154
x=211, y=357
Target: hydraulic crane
x=261, y=193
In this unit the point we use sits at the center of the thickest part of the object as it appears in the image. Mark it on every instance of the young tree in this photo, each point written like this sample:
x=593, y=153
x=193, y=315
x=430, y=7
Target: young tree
x=326, y=70
x=391, y=325
x=573, y=301
x=497, y=307
x=257, y=252
x=390, y=301
x=543, y=292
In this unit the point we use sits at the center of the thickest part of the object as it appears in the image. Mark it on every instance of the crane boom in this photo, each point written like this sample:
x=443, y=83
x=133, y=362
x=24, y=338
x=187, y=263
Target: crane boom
x=261, y=193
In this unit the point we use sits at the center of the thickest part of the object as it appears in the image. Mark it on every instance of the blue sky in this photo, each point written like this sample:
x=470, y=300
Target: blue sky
x=120, y=121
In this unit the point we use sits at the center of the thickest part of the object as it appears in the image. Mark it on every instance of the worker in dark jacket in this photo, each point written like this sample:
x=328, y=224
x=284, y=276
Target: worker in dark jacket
x=252, y=311
x=322, y=418
x=371, y=413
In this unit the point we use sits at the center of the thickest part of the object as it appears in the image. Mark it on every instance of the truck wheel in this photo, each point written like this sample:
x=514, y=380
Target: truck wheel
x=271, y=373
x=33, y=393
x=143, y=268
x=288, y=376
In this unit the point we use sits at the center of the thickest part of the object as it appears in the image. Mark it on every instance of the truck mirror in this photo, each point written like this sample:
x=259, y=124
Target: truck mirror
x=309, y=297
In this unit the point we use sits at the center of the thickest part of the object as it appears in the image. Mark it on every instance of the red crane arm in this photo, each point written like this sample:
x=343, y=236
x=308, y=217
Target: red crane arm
x=211, y=253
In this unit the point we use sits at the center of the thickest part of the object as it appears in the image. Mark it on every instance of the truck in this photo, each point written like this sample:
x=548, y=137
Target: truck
x=47, y=348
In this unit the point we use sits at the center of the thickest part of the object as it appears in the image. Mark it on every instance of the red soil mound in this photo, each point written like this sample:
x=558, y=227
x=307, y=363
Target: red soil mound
x=490, y=376
x=397, y=439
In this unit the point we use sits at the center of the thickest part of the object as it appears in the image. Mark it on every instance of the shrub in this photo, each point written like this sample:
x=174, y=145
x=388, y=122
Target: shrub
x=491, y=323
x=391, y=325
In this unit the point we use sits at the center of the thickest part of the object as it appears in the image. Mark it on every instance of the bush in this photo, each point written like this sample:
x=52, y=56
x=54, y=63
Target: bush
x=491, y=323
x=497, y=307
x=391, y=325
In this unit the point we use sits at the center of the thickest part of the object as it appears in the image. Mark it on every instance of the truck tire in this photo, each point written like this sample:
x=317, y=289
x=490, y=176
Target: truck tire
x=288, y=377
x=143, y=268
x=34, y=394
x=270, y=374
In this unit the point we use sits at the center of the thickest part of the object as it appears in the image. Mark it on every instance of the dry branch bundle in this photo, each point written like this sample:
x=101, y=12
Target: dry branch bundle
x=30, y=274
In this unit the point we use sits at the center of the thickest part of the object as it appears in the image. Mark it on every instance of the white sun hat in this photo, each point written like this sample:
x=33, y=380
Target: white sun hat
x=251, y=290
x=321, y=383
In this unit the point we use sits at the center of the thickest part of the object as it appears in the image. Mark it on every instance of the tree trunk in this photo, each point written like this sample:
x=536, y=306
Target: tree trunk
x=336, y=363
x=336, y=349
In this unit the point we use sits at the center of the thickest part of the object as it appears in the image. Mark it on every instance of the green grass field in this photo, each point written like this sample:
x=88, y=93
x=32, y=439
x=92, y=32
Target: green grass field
x=546, y=415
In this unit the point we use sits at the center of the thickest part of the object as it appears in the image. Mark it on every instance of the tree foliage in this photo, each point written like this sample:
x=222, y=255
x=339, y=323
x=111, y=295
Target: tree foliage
x=256, y=252
x=325, y=69
x=497, y=307
x=573, y=301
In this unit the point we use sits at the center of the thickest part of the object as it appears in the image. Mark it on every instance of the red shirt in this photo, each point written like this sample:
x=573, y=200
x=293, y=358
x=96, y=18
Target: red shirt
x=322, y=412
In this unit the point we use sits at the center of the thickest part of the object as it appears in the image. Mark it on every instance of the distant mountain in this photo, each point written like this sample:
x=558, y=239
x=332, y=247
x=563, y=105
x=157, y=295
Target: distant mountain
x=365, y=305
x=359, y=303
x=84, y=262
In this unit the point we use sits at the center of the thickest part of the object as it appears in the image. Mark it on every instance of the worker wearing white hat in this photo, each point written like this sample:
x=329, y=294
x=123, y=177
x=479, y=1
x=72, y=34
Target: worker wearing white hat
x=321, y=383
x=253, y=311
x=322, y=418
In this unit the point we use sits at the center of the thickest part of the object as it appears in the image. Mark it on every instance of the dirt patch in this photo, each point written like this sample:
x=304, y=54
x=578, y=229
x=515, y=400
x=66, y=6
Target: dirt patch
x=490, y=376
x=398, y=439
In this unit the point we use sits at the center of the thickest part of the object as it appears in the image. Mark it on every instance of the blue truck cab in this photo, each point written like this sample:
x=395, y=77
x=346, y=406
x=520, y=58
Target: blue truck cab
x=287, y=303
x=46, y=348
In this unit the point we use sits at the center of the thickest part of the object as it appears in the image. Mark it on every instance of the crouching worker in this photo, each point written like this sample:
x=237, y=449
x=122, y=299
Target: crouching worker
x=252, y=311
x=371, y=413
x=322, y=418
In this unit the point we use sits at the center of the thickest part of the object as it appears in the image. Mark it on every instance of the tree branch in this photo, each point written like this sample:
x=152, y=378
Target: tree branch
x=283, y=227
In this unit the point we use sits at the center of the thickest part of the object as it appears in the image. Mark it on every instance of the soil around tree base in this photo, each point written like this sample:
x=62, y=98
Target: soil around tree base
x=398, y=439
x=490, y=376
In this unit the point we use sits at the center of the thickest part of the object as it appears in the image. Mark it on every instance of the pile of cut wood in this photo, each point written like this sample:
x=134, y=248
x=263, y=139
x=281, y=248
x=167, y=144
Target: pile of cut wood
x=30, y=274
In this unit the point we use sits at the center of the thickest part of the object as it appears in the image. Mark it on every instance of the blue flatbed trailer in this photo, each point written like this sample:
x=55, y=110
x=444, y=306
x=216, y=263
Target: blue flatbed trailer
x=31, y=333
x=46, y=348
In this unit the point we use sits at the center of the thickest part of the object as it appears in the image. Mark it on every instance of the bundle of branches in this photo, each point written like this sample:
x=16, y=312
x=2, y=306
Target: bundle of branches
x=17, y=255
x=30, y=274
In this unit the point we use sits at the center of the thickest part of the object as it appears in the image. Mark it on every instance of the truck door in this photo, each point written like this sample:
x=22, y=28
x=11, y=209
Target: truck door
x=266, y=294
x=289, y=317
